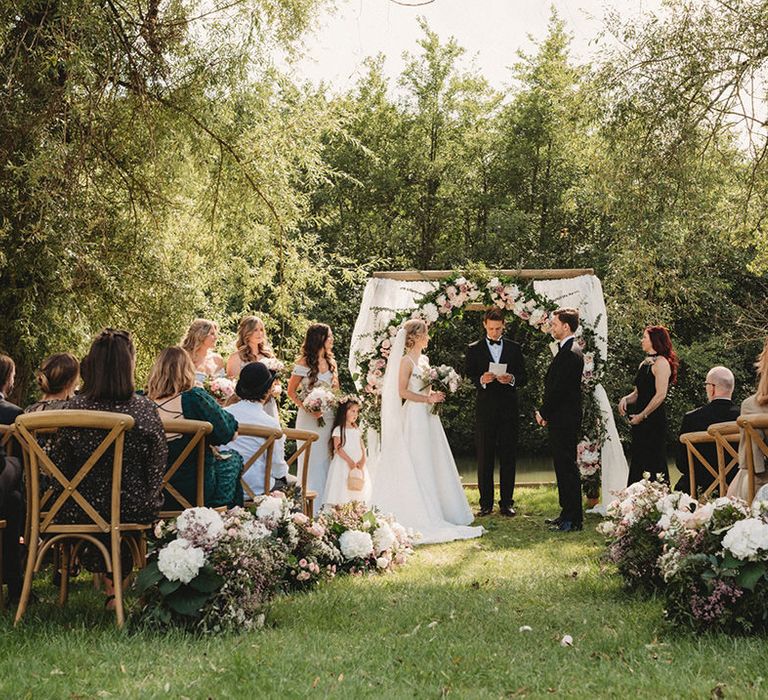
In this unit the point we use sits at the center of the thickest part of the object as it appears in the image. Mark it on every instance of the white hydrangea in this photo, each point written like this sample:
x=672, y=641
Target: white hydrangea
x=180, y=560
x=430, y=312
x=382, y=562
x=269, y=508
x=383, y=537
x=253, y=530
x=201, y=526
x=355, y=544
x=746, y=538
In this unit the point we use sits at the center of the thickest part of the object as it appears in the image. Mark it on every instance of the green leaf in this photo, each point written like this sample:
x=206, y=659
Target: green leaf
x=750, y=574
x=731, y=562
x=207, y=581
x=167, y=587
x=187, y=601
x=148, y=577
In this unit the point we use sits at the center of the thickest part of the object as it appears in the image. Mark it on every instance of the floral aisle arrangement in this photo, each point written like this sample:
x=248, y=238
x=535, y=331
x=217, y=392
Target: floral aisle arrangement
x=635, y=524
x=715, y=567
x=447, y=301
x=710, y=561
x=211, y=571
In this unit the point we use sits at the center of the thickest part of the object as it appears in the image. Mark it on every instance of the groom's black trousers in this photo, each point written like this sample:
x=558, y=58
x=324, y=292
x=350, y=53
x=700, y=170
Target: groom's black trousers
x=562, y=442
x=496, y=436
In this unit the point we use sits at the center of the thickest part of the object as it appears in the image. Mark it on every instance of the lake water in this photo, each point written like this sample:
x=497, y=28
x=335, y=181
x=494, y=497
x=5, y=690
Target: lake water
x=531, y=469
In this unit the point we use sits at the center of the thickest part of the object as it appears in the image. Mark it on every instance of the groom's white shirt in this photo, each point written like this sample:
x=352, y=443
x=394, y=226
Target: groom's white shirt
x=565, y=340
x=495, y=350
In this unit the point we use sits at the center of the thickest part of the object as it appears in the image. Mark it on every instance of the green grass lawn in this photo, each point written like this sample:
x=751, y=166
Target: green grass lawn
x=446, y=625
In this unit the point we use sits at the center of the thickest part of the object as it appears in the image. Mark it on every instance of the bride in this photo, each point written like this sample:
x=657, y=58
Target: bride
x=415, y=476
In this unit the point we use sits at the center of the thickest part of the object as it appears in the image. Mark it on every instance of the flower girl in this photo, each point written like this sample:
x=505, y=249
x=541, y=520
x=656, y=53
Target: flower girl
x=348, y=479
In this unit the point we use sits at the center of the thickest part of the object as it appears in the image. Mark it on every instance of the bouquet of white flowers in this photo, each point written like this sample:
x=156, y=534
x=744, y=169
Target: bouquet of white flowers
x=443, y=378
x=221, y=388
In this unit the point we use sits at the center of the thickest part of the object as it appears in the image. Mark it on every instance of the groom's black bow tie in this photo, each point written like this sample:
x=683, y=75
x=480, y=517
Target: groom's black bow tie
x=493, y=342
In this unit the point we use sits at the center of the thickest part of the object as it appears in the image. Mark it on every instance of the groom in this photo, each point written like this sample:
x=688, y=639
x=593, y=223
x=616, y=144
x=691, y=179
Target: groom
x=560, y=413
x=496, y=414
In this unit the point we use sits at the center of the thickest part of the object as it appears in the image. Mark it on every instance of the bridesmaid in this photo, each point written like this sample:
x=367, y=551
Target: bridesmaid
x=200, y=343
x=252, y=345
x=315, y=365
x=648, y=417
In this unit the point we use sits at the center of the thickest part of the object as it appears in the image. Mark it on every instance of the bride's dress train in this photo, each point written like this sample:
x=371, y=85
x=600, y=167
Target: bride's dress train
x=415, y=475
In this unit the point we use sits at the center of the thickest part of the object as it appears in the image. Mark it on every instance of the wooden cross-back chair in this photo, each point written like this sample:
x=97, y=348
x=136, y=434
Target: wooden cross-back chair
x=46, y=531
x=269, y=435
x=753, y=426
x=723, y=436
x=304, y=440
x=198, y=430
x=727, y=436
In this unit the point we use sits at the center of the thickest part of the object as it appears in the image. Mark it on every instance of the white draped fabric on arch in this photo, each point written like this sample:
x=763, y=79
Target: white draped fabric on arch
x=383, y=296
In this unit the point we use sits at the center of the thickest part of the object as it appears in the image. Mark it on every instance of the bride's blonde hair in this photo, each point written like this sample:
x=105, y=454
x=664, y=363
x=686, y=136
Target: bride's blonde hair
x=414, y=329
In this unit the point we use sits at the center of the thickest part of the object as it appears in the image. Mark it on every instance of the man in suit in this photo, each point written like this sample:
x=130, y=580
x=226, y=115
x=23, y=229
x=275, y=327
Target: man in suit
x=496, y=414
x=718, y=409
x=561, y=414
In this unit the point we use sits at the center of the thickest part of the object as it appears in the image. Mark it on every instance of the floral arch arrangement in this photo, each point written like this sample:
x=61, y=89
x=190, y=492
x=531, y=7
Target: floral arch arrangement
x=455, y=294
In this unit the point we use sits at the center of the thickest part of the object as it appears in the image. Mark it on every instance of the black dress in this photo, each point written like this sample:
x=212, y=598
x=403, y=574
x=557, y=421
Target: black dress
x=649, y=447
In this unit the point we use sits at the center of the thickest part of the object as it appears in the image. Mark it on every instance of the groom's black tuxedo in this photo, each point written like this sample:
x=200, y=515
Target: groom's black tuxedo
x=496, y=419
x=562, y=410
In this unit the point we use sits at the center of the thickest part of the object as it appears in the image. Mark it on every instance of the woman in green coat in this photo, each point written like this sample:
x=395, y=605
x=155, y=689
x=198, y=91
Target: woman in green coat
x=171, y=386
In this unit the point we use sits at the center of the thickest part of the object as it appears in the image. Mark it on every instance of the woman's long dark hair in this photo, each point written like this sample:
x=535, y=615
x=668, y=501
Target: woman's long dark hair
x=662, y=345
x=107, y=369
x=341, y=417
x=313, y=344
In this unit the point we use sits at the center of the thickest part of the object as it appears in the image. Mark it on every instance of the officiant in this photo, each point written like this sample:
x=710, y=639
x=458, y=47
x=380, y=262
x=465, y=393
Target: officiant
x=496, y=367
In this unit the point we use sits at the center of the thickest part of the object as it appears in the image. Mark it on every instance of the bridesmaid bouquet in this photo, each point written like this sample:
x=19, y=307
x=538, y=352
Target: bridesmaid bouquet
x=443, y=378
x=221, y=388
x=321, y=398
x=277, y=367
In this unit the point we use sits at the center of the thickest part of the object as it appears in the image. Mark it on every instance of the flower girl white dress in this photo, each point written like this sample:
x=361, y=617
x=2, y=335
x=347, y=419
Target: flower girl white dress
x=336, y=490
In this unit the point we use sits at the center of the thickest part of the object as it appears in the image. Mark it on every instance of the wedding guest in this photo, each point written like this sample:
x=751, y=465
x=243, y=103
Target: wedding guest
x=108, y=385
x=646, y=405
x=57, y=378
x=8, y=410
x=254, y=388
x=315, y=366
x=200, y=342
x=11, y=499
x=252, y=345
x=348, y=479
x=171, y=386
x=719, y=408
x=756, y=403
x=561, y=414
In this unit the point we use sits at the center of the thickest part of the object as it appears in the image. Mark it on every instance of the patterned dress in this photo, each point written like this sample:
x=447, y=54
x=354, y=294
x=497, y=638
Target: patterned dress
x=144, y=459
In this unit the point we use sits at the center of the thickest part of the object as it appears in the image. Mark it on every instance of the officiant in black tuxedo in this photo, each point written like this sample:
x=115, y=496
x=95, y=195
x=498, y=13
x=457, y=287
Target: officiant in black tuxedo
x=496, y=367
x=561, y=413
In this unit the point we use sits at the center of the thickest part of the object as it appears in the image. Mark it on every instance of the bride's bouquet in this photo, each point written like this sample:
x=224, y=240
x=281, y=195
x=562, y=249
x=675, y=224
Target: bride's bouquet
x=443, y=378
x=320, y=398
x=221, y=388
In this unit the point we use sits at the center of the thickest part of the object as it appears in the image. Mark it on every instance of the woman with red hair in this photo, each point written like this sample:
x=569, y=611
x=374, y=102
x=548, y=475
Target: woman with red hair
x=645, y=405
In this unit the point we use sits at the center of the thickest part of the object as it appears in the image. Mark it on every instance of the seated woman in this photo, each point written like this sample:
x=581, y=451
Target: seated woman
x=108, y=385
x=57, y=378
x=254, y=388
x=11, y=499
x=171, y=386
x=200, y=343
x=757, y=403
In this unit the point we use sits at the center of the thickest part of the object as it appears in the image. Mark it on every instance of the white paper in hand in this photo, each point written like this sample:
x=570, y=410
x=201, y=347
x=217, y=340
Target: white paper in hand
x=497, y=368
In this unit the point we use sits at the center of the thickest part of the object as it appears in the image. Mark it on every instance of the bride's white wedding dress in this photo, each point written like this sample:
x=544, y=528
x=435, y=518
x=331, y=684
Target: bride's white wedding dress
x=415, y=475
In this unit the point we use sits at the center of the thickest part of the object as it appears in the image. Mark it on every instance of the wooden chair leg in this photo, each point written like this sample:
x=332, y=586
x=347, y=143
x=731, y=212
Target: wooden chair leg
x=65, y=552
x=2, y=593
x=29, y=573
x=117, y=578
